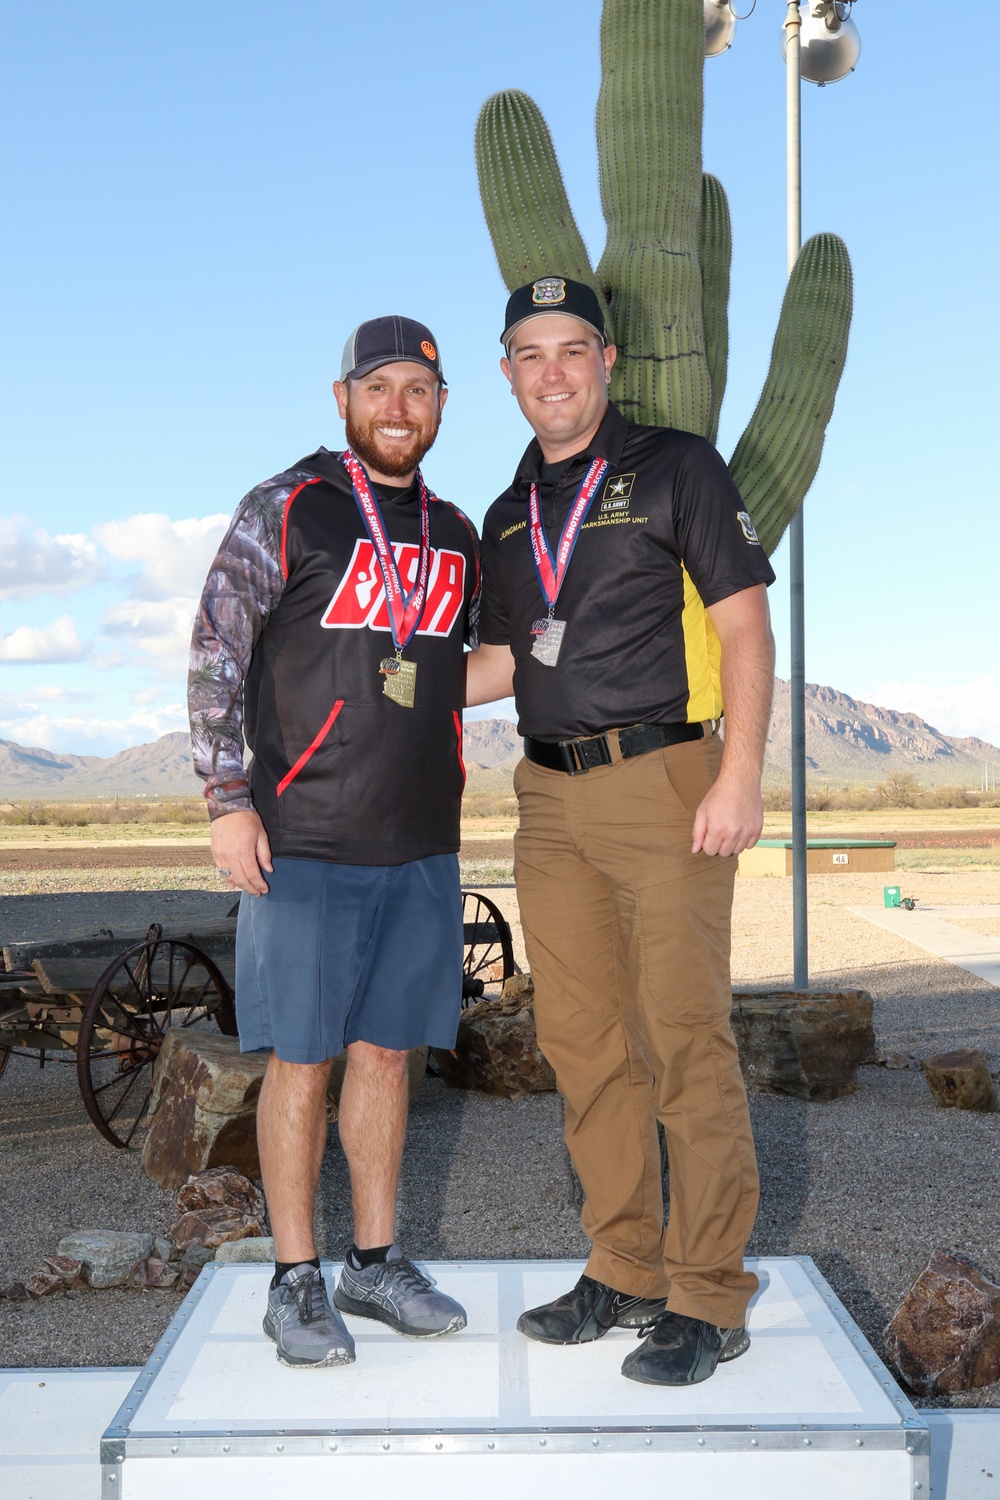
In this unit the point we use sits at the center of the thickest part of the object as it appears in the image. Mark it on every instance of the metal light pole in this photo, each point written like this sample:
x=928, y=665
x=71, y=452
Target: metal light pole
x=796, y=552
x=823, y=48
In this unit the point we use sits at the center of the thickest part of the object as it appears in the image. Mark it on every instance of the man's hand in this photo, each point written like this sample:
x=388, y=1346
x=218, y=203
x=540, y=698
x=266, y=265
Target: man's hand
x=731, y=814
x=241, y=851
x=729, y=819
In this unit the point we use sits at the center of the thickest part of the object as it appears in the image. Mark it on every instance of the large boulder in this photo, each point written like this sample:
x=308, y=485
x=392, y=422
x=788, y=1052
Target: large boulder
x=203, y=1110
x=945, y=1334
x=496, y=1050
x=803, y=1042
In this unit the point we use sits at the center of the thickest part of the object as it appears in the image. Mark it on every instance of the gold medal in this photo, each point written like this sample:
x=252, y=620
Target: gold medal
x=400, y=680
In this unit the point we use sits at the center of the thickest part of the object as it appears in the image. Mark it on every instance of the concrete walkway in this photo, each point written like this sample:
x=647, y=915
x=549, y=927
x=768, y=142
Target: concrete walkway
x=928, y=928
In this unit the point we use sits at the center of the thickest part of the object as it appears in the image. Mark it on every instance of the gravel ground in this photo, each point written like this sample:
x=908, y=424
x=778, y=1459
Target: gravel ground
x=868, y=1186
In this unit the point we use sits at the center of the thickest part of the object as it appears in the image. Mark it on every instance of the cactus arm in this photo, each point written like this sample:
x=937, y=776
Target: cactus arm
x=777, y=457
x=524, y=199
x=716, y=255
x=649, y=117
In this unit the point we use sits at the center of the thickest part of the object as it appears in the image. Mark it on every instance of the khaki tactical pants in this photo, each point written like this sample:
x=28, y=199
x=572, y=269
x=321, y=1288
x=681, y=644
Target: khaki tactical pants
x=628, y=938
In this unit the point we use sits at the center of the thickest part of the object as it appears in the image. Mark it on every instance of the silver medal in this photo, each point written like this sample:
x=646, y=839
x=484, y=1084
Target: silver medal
x=548, y=640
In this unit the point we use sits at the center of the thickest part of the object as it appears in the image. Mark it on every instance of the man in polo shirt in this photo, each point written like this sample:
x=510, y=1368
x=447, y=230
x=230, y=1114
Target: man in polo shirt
x=332, y=626
x=624, y=595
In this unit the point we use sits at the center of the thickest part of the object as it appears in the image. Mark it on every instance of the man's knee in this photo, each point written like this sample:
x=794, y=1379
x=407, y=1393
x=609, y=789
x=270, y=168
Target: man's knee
x=298, y=1078
x=364, y=1059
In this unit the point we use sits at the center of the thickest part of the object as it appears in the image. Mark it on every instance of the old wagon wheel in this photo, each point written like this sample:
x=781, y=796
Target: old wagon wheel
x=154, y=984
x=489, y=948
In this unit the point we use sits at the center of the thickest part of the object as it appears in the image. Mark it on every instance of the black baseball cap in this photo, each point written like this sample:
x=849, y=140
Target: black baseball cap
x=388, y=341
x=553, y=294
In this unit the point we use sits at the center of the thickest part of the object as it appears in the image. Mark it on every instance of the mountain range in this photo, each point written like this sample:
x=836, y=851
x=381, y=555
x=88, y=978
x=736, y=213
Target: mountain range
x=848, y=742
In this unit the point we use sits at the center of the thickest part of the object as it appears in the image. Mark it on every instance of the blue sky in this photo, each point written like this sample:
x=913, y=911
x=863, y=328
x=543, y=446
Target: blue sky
x=203, y=199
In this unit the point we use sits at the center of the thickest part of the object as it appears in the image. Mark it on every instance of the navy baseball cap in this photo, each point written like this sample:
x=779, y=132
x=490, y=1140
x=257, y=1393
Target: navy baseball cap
x=553, y=294
x=389, y=341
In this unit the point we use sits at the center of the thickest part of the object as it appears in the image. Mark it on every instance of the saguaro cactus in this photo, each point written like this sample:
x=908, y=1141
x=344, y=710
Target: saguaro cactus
x=664, y=274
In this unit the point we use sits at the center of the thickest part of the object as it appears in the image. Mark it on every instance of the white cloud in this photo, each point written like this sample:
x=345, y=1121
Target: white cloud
x=59, y=642
x=32, y=562
x=174, y=555
x=971, y=708
x=161, y=630
x=84, y=735
x=174, y=558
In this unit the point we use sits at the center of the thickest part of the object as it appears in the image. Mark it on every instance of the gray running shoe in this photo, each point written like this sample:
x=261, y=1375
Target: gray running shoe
x=395, y=1292
x=306, y=1329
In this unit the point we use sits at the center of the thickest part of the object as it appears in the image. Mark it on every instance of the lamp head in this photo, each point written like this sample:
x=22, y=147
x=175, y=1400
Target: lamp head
x=720, y=27
x=829, y=43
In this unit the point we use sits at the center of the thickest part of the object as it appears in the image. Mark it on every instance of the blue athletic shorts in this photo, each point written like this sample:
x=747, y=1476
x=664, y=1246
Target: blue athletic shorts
x=335, y=954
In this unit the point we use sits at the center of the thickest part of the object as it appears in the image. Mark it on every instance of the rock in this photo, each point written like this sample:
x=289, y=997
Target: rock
x=805, y=1043
x=496, y=1050
x=898, y=1060
x=211, y=1227
x=66, y=1267
x=416, y=1067
x=945, y=1334
x=16, y=1292
x=44, y=1284
x=153, y=1272
x=197, y=1255
x=961, y=1080
x=165, y=1249
x=107, y=1255
x=222, y=1187
x=203, y=1109
x=238, y=1252
x=187, y=1274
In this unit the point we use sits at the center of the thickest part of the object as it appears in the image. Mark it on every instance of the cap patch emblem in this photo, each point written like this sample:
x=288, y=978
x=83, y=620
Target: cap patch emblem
x=428, y=348
x=548, y=292
x=747, y=526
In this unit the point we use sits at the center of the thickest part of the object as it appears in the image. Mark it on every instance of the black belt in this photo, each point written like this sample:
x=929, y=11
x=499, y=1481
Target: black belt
x=576, y=756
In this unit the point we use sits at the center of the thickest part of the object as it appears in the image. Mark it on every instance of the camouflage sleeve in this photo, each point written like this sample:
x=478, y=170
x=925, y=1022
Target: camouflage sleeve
x=244, y=584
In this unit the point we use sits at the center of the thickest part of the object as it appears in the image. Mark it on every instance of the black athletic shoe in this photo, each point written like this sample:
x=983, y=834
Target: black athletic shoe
x=587, y=1313
x=681, y=1351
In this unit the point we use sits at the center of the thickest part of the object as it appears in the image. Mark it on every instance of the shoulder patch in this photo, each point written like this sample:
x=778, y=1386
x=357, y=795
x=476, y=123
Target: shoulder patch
x=747, y=527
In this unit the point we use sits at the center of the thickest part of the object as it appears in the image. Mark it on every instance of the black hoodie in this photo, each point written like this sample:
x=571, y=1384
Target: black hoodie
x=287, y=643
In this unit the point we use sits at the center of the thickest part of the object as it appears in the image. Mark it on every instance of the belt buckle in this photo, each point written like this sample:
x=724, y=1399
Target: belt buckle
x=591, y=752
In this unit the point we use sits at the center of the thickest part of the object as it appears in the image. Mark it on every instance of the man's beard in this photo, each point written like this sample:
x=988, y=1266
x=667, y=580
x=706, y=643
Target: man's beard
x=386, y=458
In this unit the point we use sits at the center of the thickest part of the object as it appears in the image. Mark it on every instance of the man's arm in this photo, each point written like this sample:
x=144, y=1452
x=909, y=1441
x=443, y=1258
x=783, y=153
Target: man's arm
x=244, y=584
x=731, y=816
x=489, y=674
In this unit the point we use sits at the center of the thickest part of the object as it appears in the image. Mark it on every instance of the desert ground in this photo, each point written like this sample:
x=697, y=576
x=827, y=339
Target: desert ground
x=868, y=1185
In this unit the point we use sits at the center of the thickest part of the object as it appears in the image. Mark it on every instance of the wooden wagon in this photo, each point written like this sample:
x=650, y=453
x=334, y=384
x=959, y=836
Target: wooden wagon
x=107, y=998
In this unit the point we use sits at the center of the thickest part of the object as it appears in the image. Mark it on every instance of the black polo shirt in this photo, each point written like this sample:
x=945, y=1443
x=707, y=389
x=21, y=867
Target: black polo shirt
x=667, y=534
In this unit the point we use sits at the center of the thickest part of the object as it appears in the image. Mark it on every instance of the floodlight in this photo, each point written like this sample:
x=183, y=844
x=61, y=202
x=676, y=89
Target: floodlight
x=829, y=43
x=720, y=27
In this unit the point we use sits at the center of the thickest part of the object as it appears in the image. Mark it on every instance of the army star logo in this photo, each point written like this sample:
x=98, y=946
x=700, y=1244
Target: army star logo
x=617, y=494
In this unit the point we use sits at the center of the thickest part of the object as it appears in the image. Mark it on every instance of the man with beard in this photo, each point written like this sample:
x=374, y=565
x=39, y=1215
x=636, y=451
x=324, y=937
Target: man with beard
x=330, y=632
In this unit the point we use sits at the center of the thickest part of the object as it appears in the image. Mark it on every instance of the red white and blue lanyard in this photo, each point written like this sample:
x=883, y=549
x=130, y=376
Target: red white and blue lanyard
x=405, y=610
x=552, y=570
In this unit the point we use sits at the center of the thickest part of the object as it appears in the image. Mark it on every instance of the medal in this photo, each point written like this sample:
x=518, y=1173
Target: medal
x=405, y=610
x=548, y=633
x=548, y=639
x=400, y=679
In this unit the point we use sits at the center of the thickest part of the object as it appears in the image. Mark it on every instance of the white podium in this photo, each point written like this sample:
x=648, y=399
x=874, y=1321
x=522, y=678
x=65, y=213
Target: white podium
x=808, y=1411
